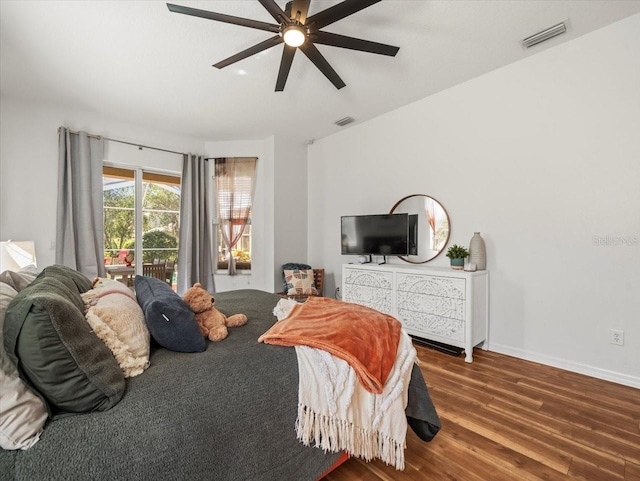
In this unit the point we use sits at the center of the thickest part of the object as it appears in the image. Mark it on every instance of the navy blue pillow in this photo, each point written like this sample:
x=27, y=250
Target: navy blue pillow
x=170, y=321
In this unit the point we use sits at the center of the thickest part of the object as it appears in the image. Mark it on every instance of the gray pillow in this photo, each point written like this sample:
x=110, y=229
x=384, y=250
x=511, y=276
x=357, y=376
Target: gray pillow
x=20, y=278
x=170, y=321
x=71, y=278
x=55, y=351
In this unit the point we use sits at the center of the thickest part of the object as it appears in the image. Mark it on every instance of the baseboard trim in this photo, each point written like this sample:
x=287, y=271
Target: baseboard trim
x=618, y=378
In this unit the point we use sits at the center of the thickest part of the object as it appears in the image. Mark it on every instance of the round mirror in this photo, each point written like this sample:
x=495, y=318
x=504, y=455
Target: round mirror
x=432, y=228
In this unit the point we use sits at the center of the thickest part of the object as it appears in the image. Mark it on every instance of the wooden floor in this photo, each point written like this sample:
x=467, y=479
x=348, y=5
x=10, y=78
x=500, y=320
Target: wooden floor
x=508, y=419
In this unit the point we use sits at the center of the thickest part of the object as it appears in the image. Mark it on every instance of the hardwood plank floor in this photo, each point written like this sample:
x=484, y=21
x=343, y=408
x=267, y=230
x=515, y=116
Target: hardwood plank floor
x=508, y=419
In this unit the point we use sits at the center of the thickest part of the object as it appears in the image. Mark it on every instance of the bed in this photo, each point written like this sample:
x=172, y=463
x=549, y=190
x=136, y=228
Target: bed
x=227, y=413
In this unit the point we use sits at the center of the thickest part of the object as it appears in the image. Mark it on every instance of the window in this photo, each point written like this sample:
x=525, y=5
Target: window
x=241, y=251
x=234, y=181
x=157, y=224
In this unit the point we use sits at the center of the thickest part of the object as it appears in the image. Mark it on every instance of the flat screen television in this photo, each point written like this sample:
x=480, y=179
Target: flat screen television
x=378, y=234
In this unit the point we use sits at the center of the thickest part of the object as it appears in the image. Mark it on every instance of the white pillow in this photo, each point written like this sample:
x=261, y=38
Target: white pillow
x=22, y=413
x=20, y=278
x=118, y=320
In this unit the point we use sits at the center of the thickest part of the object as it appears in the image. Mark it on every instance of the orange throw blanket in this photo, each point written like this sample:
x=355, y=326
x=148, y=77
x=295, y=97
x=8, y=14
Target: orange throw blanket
x=365, y=338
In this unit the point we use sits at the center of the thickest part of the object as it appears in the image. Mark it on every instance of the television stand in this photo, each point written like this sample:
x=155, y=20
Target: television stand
x=384, y=261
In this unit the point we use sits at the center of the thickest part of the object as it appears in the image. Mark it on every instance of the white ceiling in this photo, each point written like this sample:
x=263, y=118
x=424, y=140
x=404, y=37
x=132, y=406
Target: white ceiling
x=137, y=62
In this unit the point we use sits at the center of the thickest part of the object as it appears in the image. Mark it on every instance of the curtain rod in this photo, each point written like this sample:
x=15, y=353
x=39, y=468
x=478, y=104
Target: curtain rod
x=140, y=146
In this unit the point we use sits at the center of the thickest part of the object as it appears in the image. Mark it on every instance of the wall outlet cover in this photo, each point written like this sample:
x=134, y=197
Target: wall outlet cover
x=617, y=337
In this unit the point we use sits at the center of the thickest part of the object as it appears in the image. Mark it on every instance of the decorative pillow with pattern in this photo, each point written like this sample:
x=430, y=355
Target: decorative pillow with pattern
x=300, y=282
x=291, y=266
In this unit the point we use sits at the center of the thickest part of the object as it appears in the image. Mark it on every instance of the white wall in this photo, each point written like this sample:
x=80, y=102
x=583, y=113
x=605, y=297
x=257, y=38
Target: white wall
x=290, y=213
x=279, y=215
x=29, y=169
x=542, y=158
x=261, y=216
x=29, y=163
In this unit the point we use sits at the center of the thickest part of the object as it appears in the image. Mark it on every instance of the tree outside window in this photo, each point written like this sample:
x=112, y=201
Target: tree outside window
x=241, y=252
x=160, y=216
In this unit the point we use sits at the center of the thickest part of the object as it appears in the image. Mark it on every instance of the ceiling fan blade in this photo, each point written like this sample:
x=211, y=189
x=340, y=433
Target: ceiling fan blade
x=337, y=12
x=312, y=52
x=276, y=12
x=271, y=42
x=221, y=17
x=335, y=40
x=285, y=66
x=301, y=6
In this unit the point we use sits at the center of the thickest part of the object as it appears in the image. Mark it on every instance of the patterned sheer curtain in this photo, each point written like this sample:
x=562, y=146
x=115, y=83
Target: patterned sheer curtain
x=234, y=177
x=436, y=217
x=79, y=218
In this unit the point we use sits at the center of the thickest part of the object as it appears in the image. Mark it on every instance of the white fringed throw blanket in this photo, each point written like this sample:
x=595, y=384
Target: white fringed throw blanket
x=335, y=411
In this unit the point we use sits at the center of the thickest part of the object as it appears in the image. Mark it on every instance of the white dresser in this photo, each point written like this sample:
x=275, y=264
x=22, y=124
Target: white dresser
x=435, y=303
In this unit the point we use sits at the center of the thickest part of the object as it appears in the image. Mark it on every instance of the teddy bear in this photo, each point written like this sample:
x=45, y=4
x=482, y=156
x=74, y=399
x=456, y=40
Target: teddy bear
x=213, y=323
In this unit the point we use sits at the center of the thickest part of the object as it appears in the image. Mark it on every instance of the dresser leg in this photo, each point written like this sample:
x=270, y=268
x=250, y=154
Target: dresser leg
x=468, y=355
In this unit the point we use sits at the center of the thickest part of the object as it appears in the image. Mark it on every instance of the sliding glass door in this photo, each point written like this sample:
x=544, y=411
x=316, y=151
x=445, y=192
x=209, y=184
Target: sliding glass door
x=140, y=205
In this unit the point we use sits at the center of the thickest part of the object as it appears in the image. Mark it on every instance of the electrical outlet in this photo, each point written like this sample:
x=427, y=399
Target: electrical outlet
x=617, y=337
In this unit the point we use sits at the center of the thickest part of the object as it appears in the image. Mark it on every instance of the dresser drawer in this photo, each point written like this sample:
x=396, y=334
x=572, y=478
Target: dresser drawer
x=370, y=289
x=432, y=285
x=427, y=325
x=438, y=306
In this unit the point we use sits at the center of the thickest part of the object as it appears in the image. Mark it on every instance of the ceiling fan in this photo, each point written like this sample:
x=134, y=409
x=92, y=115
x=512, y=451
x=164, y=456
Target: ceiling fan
x=298, y=31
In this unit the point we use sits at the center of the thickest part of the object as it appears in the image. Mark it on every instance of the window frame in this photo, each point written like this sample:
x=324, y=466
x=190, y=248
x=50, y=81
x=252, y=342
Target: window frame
x=221, y=267
x=140, y=176
x=240, y=267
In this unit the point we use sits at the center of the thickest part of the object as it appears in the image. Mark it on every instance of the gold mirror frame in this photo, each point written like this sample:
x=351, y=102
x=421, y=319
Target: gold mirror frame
x=442, y=231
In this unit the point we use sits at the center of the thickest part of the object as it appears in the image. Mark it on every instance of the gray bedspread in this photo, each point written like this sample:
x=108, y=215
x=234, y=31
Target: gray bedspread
x=224, y=414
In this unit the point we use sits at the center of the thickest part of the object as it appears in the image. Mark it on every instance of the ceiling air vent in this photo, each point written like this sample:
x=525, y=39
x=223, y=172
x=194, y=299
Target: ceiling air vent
x=545, y=34
x=345, y=121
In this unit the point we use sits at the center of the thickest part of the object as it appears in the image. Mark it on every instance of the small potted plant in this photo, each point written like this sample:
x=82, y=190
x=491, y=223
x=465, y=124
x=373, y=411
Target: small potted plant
x=457, y=254
x=128, y=259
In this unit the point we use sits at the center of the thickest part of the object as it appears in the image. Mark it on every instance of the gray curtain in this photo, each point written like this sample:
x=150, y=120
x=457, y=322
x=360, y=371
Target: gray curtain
x=79, y=219
x=196, y=244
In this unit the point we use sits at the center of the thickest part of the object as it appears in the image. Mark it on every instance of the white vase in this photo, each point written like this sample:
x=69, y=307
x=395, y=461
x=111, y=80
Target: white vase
x=478, y=252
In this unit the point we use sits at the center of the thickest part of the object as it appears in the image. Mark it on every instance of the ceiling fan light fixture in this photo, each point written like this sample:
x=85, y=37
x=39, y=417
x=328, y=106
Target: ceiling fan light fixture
x=294, y=35
x=296, y=29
